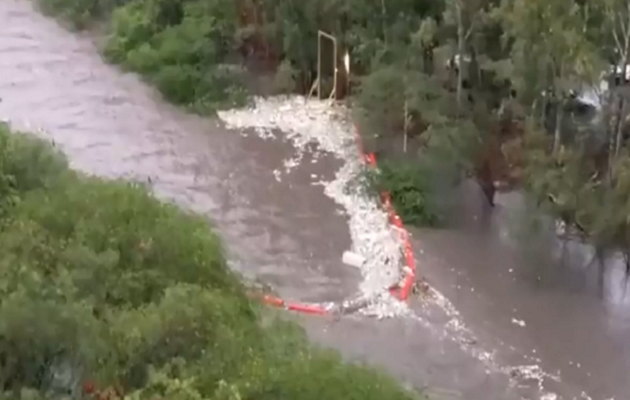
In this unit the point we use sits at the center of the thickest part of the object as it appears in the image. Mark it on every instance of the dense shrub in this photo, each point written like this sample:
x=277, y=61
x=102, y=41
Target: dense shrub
x=139, y=245
x=181, y=47
x=412, y=193
x=101, y=282
x=26, y=163
x=79, y=13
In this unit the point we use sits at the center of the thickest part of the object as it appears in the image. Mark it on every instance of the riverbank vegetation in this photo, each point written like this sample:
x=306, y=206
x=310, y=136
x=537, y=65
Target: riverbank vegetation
x=516, y=93
x=108, y=293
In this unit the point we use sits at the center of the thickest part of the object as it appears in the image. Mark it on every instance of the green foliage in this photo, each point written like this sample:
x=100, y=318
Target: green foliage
x=181, y=47
x=79, y=13
x=380, y=103
x=26, y=164
x=101, y=282
x=140, y=246
x=446, y=143
x=454, y=117
x=412, y=193
x=572, y=190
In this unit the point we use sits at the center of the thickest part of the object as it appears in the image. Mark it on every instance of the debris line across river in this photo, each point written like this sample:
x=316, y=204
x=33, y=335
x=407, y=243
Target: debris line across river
x=376, y=230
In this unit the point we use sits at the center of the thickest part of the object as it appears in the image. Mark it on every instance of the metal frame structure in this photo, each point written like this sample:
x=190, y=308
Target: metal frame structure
x=321, y=35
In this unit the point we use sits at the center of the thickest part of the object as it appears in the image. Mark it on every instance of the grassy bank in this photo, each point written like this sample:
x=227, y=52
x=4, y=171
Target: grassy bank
x=101, y=283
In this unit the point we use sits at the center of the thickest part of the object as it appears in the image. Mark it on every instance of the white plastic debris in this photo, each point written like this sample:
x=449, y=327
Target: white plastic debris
x=384, y=305
x=352, y=259
x=314, y=121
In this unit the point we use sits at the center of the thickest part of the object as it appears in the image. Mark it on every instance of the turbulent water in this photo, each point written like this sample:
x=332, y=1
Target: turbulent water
x=513, y=327
x=312, y=121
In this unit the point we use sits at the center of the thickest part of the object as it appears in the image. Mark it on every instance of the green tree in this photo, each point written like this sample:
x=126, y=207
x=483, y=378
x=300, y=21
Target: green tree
x=103, y=287
x=549, y=53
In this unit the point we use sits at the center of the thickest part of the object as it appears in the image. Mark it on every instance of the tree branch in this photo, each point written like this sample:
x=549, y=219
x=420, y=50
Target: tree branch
x=469, y=32
x=613, y=16
x=624, y=25
x=616, y=38
x=626, y=32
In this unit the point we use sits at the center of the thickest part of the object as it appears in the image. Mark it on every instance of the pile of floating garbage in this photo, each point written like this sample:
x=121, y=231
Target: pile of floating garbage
x=380, y=249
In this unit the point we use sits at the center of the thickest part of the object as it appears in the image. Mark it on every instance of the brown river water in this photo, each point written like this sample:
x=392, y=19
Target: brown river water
x=523, y=312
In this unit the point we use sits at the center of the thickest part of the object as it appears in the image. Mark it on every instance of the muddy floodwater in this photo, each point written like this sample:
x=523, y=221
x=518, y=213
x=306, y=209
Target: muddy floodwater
x=515, y=324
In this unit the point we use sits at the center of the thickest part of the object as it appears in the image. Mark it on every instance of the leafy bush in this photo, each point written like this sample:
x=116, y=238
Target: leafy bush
x=26, y=163
x=441, y=142
x=180, y=47
x=100, y=282
x=124, y=254
x=79, y=13
x=132, y=28
x=409, y=184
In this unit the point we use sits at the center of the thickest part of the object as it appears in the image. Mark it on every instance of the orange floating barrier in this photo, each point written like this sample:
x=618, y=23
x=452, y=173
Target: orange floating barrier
x=273, y=301
x=400, y=290
x=371, y=159
x=307, y=309
x=403, y=290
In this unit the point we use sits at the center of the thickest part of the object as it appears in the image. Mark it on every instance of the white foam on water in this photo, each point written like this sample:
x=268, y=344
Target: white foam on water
x=313, y=121
x=457, y=330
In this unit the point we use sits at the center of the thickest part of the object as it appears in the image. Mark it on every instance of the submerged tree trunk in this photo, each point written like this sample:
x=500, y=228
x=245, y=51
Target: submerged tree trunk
x=610, y=136
x=485, y=179
x=474, y=72
x=599, y=260
x=557, y=134
x=621, y=36
x=622, y=103
x=384, y=20
x=461, y=39
x=427, y=60
x=601, y=270
x=543, y=111
x=619, y=125
x=626, y=256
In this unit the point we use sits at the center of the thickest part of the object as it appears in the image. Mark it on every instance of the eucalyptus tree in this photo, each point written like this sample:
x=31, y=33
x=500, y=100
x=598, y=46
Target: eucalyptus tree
x=550, y=53
x=609, y=28
x=467, y=17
